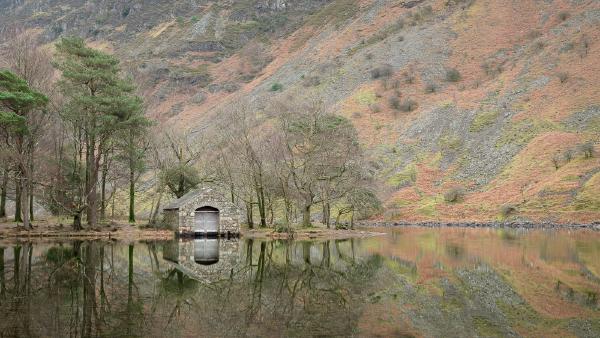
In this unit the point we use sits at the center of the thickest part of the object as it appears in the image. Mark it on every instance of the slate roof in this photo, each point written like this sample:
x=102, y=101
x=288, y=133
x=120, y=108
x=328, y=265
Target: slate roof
x=176, y=204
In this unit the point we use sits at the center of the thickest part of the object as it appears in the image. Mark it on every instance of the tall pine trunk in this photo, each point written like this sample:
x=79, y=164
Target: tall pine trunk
x=18, y=212
x=3, y=192
x=103, y=189
x=30, y=184
x=131, y=194
x=25, y=203
x=92, y=166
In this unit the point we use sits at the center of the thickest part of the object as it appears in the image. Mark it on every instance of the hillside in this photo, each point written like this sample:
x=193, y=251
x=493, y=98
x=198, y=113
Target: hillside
x=496, y=99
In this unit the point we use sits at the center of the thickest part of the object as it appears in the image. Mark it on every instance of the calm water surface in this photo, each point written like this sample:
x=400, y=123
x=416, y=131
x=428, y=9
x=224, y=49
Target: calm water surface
x=410, y=282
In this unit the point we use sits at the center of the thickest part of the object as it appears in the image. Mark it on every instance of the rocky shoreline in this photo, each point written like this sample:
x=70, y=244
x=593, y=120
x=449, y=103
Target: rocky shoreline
x=510, y=225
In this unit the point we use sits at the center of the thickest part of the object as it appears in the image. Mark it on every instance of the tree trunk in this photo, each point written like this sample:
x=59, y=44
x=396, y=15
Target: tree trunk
x=77, y=221
x=3, y=191
x=30, y=185
x=25, y=203
x=306, y=216
x=249, y=216
x=103, y=189
x=2, y=275
x=31, y=203
x=18, y=213
x=92, y=164
x=154, y=215
x=327, y=214
x=261, y=206
x=131, y=195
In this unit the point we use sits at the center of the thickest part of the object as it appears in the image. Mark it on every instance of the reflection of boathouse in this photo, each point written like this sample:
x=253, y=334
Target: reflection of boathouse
x=206, y=210
x=204, y=259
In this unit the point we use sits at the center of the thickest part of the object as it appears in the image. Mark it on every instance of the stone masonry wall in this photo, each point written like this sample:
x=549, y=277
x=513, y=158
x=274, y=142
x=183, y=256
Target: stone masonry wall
x=229, y=213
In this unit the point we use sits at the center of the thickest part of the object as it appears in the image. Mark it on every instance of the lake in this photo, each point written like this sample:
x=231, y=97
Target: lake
x=449, y=282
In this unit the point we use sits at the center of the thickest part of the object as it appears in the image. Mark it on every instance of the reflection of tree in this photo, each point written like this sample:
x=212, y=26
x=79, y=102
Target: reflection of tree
x=106, y=289
x=2, y=277
x=293, y=290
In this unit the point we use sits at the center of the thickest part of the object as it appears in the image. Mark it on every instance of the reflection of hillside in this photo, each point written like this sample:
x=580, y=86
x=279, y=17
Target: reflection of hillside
x=443, y=282
x=532, y=261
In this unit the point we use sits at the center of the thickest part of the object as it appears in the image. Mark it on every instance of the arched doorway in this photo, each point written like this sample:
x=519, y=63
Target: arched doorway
x=206, y=220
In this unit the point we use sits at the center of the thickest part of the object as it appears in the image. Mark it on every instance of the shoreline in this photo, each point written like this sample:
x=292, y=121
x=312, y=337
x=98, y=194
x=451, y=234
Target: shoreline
x=363, y=230
x=481, y=225
x=309, y=234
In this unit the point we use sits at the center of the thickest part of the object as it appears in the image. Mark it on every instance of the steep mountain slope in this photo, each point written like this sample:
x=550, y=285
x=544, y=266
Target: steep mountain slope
x=500, y=99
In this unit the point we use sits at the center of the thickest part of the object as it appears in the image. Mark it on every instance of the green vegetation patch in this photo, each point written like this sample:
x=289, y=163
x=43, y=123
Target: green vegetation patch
x=524, y=131
x=486, y=328
x=366, y=97
x=336, y=12
x=589, y=197
x=237, y=34
x=379, y=36
x=449, y=142
x=428, y=207
x=483, y=120
x=406, y=177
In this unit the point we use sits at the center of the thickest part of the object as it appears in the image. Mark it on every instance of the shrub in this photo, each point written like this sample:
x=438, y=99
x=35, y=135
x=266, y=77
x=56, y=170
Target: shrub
x=389, y=83
x=587, y=149
x=452, y=75
x=395, y=103
x=311, y=81
x=567, y=47
x=400, y=38
x=430, y=88
x=534, y=34
x=556, y=161
x=563, y=15
x=375, y=108
x=507, y=210
x=194, y=19
x=382, y=72
x=276, y=87
x=568, y=155
x=125, y=12
x=563, y=77
x=455, y=194
x=539, y=45
x=585, y=46
x=409, y=77
x=492, y=68
x=408, y=105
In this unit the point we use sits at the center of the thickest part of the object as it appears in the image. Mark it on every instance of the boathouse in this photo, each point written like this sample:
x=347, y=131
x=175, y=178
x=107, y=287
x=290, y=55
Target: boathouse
x=205, y=210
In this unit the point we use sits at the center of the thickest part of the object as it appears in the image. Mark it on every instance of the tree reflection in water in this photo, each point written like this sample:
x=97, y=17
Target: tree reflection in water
x=105, y=289
x=413, y=282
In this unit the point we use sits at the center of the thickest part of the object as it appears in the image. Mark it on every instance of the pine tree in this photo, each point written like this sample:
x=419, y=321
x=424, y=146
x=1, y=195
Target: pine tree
x=19, y=105
x=101, y=105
